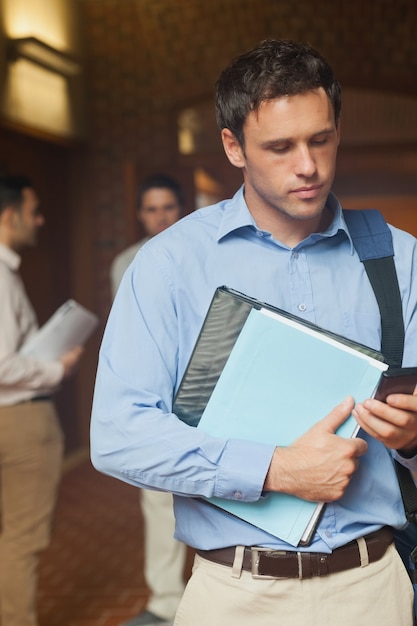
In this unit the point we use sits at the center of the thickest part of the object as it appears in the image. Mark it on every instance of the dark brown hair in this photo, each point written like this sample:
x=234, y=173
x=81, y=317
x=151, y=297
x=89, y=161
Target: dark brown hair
x=273, y=69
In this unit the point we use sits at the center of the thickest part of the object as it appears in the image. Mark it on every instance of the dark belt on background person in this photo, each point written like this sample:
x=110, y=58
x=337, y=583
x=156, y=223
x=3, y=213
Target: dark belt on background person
x=41, y=399
x=267, y=563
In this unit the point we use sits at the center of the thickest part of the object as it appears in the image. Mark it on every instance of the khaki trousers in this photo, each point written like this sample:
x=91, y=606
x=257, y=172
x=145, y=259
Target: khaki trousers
x=379, y=594
x=31, y=450
x=164, y=556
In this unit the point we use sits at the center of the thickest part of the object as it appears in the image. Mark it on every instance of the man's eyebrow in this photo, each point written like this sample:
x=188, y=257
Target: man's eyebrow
x=325, y=131
x=283, y=140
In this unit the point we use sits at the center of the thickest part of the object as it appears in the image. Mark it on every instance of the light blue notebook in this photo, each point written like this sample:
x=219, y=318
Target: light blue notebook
x=281, y=377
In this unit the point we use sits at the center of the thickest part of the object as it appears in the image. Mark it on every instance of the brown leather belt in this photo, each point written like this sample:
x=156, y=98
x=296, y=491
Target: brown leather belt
x=41, y=399
x=266, y=563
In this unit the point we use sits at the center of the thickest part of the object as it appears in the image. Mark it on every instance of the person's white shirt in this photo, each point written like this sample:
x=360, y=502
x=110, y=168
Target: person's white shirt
x=121, y=262
x=21, y=377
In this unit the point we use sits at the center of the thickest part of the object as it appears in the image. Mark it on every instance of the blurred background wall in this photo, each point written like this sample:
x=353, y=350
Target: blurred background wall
x=95, y=94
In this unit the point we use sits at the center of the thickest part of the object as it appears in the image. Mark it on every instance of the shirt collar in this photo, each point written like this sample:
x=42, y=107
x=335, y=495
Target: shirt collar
x=10, y=257
x=237, y=215
x=338, y=223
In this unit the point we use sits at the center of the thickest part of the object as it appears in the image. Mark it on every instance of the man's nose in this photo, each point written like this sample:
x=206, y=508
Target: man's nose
x=305, y=164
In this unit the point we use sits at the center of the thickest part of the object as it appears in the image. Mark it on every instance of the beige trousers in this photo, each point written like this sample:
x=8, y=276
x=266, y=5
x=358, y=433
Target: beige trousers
x=30, y=464
x=379, y=594
x=164, y=556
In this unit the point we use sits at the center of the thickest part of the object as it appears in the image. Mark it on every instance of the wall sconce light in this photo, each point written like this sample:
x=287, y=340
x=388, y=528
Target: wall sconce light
x=36, y=51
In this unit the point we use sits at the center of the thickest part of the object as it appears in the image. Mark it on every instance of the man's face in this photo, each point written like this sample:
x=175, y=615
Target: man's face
x=288, y=160
x=159, y=210
x=26, y=221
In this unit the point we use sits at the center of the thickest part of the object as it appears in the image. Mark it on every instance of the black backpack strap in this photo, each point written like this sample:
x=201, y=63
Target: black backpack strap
x=383, y=277
x=408, y=491
x=373, y=242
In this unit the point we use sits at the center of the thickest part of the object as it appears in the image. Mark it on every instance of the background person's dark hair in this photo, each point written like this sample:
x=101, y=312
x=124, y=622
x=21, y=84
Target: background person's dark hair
x=160, y=181
x=11, y=188
x=275, y=68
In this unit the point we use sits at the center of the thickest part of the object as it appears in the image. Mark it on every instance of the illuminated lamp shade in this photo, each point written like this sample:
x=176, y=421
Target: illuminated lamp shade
x=40, y=53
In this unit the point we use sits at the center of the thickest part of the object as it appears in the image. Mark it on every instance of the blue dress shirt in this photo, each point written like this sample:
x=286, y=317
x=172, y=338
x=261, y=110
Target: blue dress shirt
x=152, y=327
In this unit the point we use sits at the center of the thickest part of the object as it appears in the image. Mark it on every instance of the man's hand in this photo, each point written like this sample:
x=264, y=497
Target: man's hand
x=393, y=423
x=71, y=359
x=319, y=465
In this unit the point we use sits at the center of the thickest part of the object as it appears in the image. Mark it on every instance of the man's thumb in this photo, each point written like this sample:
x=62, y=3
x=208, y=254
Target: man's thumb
x=338, y=415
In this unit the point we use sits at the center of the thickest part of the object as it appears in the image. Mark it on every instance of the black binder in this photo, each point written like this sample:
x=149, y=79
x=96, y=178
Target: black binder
x=224, y=320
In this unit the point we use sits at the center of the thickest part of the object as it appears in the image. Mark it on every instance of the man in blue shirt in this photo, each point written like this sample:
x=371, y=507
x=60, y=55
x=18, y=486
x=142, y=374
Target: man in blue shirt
x=281, y=239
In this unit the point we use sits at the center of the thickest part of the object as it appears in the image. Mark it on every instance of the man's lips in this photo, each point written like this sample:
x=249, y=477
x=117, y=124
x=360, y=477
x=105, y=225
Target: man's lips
x=307, y=192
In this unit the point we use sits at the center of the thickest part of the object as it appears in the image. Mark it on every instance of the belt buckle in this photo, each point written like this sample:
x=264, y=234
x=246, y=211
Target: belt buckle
x=255, y=556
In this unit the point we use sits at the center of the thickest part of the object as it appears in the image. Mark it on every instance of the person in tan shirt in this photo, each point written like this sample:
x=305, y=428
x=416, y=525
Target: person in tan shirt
x=31, y=441
x=159, y=205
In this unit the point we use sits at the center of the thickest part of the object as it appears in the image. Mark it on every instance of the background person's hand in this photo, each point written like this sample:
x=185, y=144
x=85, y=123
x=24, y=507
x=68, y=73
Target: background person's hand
x=71, y=359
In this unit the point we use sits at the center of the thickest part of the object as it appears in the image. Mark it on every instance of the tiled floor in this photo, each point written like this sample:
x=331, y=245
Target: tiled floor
x=91, y=575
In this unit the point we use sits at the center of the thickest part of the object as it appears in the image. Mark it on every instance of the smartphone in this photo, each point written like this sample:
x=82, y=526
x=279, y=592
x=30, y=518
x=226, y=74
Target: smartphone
x=396, y=380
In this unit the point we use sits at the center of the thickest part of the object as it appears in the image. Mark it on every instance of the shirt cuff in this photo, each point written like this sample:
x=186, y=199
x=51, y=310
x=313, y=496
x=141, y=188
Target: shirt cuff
x=52, y=374
x=243, y=470
x=409, y=462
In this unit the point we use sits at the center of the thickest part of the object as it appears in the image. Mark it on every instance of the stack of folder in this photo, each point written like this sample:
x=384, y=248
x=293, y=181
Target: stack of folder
x=259, y=373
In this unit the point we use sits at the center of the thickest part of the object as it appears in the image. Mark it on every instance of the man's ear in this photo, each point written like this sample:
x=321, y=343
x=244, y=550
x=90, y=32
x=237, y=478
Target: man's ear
x=7, y=224
x=7, y=216
x=232, y=148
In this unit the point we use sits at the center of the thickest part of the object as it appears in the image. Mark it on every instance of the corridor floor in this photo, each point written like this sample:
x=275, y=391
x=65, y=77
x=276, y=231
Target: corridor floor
x=91, y=574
